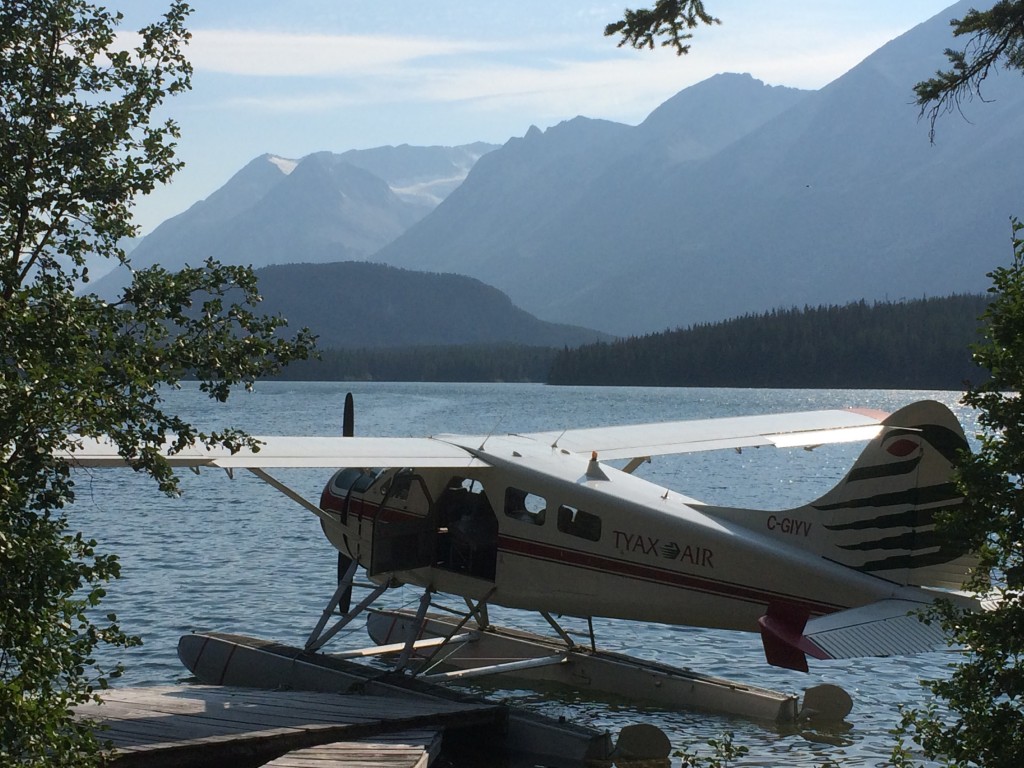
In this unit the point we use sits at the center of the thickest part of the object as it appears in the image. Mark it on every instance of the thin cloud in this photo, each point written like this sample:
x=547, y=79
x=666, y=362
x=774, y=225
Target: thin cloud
x=374, y=69
x=549, y=88
x=269, y=54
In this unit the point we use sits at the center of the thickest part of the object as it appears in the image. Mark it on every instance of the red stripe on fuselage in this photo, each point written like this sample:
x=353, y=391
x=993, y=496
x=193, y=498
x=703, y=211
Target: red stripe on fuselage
x=611, y=566
x=367, y=510
x=663, y=576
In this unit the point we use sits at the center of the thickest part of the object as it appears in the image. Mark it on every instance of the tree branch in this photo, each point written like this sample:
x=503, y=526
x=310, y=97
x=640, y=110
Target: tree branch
x=670, y=19
x=996, y=36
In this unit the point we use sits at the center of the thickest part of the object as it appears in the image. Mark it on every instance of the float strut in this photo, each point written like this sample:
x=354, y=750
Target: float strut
x=316, y=639
x=410, y=641
x=480, y=609
x=557, y=627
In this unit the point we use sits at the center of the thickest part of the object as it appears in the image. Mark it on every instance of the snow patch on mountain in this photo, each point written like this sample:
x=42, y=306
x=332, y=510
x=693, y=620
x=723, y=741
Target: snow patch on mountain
x=286, y=165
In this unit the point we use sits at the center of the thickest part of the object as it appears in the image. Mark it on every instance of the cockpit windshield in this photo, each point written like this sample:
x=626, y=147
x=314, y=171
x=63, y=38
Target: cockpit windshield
x=354, y=479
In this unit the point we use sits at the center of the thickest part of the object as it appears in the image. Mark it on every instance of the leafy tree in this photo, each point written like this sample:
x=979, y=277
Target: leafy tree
x=982, y=722
x=726, y=753
x=982, y=717
x=78, y=147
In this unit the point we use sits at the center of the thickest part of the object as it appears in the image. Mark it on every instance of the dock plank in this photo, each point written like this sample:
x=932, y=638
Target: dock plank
x=234, y=704
x=352, y=712
x=429, y=740
x=354, y=755
x=169, y=725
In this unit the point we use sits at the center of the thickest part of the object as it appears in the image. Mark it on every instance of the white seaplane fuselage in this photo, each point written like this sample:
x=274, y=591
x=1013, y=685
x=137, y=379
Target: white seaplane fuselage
x=537, y=521
x=598, y=542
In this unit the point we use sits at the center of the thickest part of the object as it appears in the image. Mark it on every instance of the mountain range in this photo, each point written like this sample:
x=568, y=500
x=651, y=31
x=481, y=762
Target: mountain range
x=732, y=197
x=321, y=208
x=695, y=215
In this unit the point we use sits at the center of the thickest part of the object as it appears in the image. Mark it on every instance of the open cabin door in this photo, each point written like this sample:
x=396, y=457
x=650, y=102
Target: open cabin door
x=404, y=530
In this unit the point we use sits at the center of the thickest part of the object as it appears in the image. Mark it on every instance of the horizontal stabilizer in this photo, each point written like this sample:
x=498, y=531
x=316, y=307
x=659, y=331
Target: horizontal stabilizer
x=883, y=628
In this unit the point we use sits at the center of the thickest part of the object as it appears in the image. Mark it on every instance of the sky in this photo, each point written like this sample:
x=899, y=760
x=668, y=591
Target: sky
x=292, y=78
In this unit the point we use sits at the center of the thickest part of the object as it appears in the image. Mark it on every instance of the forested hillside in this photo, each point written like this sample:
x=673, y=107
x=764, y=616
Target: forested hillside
x=921, y=344
x=352, y=304
x=451, y=362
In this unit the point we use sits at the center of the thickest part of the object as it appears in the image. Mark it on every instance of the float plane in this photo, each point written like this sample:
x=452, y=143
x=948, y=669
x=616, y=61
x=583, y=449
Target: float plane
x=547, y=522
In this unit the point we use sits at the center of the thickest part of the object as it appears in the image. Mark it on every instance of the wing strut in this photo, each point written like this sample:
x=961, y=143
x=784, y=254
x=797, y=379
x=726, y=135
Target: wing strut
x=294, y=496
x=630, y=468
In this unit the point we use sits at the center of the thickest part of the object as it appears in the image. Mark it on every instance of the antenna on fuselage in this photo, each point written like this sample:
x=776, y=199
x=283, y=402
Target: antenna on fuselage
x=490, y=434
x=486, y=438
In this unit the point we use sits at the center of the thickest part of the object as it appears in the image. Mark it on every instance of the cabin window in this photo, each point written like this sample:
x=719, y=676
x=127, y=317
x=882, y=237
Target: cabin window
x=353, y=479
x=525, y=506
x=398, y=488
x=576, y=522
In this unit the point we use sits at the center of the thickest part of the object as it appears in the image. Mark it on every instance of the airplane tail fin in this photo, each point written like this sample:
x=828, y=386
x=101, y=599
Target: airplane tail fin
x=880, y=519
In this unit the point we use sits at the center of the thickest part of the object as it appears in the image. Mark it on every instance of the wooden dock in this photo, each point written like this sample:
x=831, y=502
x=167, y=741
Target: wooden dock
x=413, y=750
x=237, y=660
x=217, y=726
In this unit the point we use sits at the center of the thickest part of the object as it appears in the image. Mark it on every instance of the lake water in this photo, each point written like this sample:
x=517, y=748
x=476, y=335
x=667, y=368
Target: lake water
x=234, y=555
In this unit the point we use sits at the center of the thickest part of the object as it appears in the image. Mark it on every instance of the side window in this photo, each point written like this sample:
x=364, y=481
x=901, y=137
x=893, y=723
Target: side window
x=404, y=490
x=400, y=485
x=525, y=506
x=576, y=522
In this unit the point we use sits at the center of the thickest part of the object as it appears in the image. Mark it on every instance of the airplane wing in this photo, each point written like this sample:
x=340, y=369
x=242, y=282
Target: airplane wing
x=623, y=442
x=883, y=628
x=281, y=452
x=784, y=430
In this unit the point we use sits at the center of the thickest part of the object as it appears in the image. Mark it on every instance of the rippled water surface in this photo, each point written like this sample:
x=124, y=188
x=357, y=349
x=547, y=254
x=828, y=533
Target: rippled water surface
x=234, y=555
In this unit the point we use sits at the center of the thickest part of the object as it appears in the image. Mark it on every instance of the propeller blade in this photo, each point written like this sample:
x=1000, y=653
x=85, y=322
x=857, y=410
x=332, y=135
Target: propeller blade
x=345, y=603
x=348, y=429
x=348, y=426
